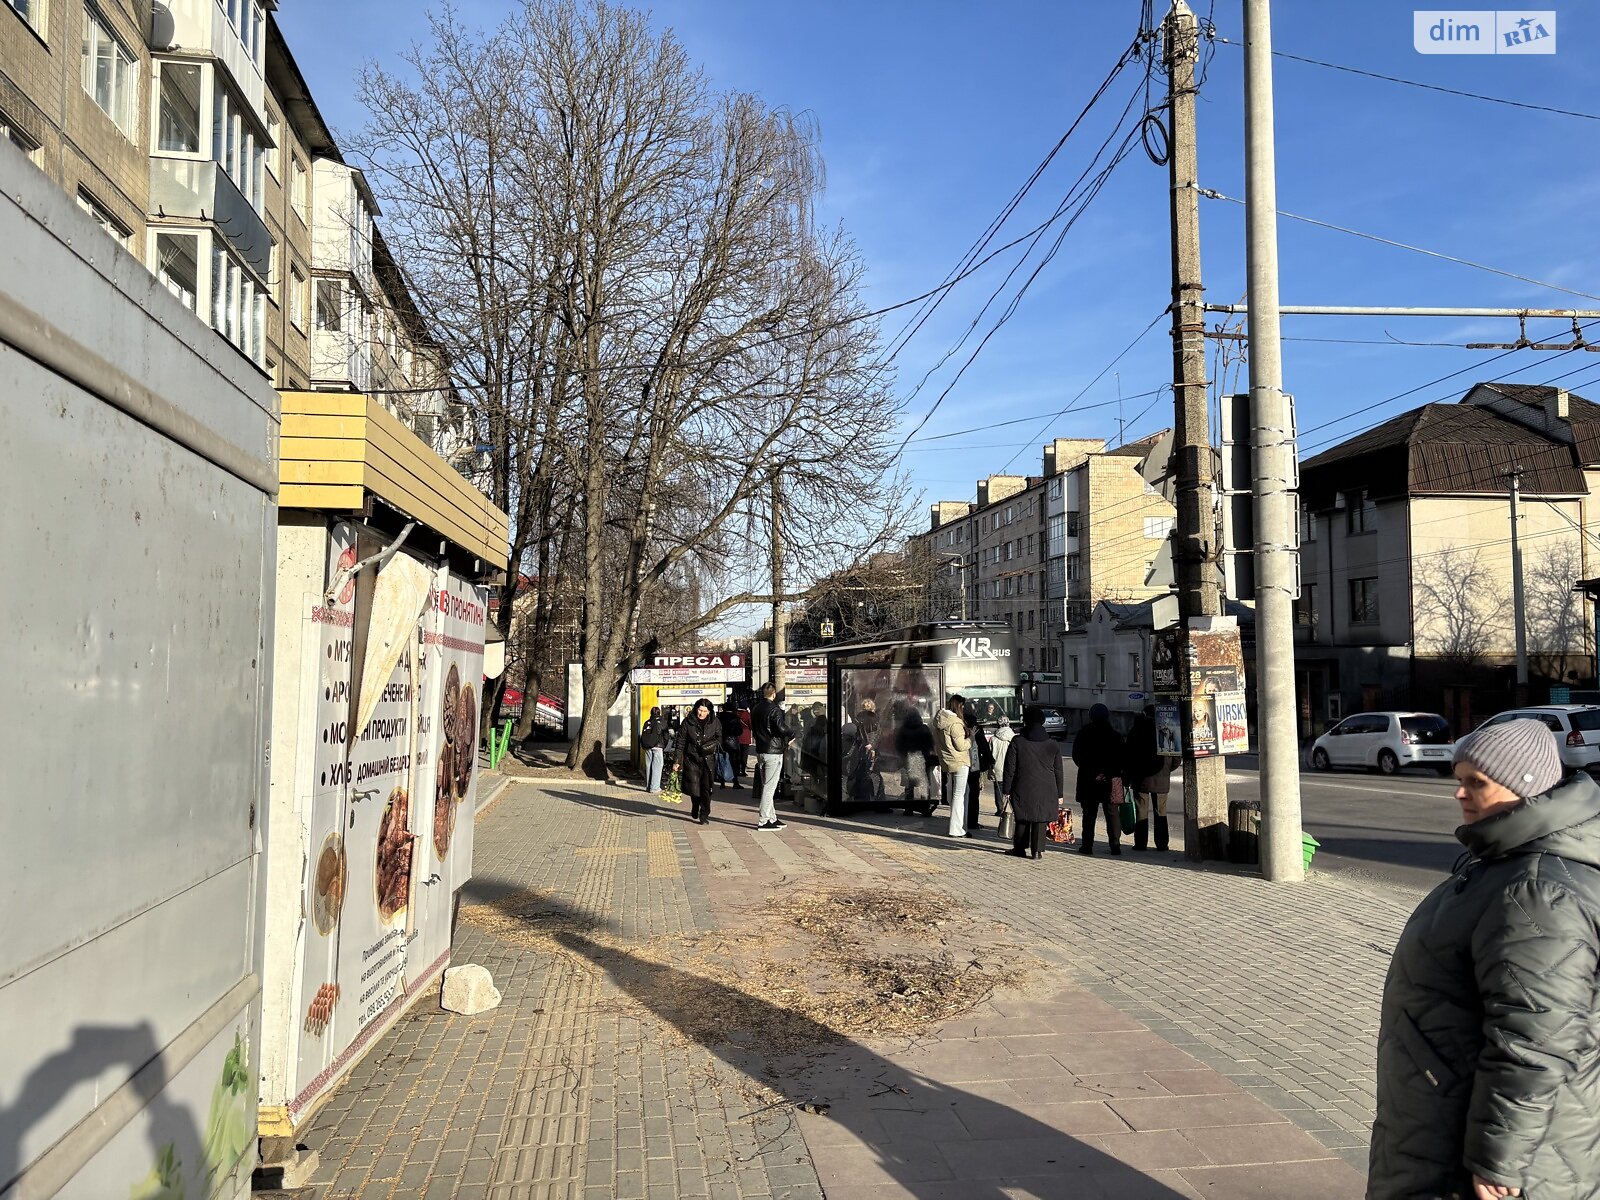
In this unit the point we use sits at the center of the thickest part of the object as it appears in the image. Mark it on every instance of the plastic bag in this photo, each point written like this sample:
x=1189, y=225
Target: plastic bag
x=672, y=790
x=1060, y=830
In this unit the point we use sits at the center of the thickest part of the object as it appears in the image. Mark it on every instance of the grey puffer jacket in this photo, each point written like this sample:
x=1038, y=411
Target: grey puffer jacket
x=1489, y=1047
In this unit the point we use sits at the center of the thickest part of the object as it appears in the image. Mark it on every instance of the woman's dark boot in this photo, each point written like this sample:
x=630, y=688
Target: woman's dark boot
x=1161, y=834
x=1141, y=835
x=1089, y=814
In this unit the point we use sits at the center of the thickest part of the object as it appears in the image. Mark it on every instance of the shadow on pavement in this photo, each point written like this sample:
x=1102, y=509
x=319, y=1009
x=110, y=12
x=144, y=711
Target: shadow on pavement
x=884, y=1124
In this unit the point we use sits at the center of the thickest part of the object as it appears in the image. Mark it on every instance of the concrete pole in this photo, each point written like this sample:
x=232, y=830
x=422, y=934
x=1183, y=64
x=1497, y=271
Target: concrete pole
x=1519, y=612
x=1205, y=788
x=1282, y=857
x=780, y=611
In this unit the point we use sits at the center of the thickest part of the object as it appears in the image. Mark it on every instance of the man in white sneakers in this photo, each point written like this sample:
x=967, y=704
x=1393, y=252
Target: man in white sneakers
x=769, y=730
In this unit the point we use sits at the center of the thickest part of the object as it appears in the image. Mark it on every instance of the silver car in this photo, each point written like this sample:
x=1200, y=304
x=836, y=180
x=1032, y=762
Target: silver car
x=1386, y=742
x=1577, y=730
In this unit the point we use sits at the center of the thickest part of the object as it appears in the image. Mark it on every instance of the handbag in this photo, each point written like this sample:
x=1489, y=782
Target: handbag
x=1060, y=830
x=672, y=790
x=1122, y=797
x=724, y=767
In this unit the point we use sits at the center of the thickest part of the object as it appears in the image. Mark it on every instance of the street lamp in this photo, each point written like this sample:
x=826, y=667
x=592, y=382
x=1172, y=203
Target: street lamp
x=959, y=564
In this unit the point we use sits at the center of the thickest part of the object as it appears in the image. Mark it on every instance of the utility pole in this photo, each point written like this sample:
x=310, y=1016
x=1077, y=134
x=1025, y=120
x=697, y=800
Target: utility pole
x=1276, y=472
x=1205, y=789
x=1519, y=613
x=780, y=613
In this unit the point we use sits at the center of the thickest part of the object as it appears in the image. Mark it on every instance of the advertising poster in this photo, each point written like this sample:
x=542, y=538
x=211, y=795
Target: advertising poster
x=389, y=830
x=453, y=635
x=1164, y=659
x=1233, y=729
x=1203, y=726
x=1169, y=730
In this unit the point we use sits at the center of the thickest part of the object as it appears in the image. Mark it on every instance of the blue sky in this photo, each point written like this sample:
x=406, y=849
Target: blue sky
x=932, y=113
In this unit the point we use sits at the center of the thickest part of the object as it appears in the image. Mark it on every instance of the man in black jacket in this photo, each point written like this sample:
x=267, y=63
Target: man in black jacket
x=1489, y=1041
x=653, y=741
x=769, y=730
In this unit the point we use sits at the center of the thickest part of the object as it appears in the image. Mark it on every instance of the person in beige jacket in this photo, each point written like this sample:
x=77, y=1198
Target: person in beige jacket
x=954, y=748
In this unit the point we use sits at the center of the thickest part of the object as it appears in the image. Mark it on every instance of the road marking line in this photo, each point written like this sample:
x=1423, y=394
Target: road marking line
x=910, y=857
x=837, y=854
x=724, y=860
x=780, y=852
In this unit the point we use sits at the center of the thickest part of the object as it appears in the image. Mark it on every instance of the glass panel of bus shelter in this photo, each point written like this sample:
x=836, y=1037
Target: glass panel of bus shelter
x=874, y=769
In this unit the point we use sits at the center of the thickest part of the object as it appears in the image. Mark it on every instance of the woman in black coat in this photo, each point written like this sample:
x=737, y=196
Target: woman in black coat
x=1098, y=753
x=698, y=744
x=1034, y=782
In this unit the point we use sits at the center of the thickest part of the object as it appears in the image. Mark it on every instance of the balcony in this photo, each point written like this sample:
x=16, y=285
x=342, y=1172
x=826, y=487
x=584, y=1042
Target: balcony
x=200, y=189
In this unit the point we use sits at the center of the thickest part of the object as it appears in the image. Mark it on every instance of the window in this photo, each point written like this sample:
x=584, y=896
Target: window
x=1305, y=608
x=31, y=11
x=1011, y=512
x=1011, y=548
x=18, y=138
x=110, y=73
x=297, y=297
x=1030, y=618
x=1072, y=523
x=1308, y=525
x=273, y=265
x=1074, y=567
x=1364, y=601
x=103, y=218
x=1156, y=528
x=330, y=305
x=297, y=188
x=1360, y=513
x=275, y=136
x=1073, y=659
x=178, y=114
x=238, y=304
x=178, y=266
x=1009, y=584
x=1100, y=670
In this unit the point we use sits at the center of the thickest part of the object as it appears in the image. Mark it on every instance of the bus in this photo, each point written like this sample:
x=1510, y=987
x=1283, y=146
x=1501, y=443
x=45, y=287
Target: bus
x=849, y=743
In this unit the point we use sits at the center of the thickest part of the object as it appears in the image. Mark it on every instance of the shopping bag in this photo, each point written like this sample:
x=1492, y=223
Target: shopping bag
x=724, y=767
x=1060, y=830
x=672, y=790
x=1122, y=798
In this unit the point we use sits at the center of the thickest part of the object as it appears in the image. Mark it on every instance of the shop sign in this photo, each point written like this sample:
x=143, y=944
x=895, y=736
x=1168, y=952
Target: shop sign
x=691, y=668
x=805, y=670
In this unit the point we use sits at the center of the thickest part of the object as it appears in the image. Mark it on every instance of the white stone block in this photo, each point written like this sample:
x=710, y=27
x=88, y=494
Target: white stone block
x=468, y=989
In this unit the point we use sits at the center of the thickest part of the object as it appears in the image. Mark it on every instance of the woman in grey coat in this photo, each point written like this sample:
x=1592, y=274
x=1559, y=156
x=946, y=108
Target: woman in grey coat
x=1489, y=1043
x=1033, y=783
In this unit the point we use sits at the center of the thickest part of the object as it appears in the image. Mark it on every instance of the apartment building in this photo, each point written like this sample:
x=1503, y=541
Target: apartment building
x=74, y=91
x=187, y=130
x=1038, y=552
x=1406, y=563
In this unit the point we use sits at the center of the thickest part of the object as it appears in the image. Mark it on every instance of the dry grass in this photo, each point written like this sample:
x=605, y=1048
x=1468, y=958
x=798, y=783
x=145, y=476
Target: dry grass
x=820, y=965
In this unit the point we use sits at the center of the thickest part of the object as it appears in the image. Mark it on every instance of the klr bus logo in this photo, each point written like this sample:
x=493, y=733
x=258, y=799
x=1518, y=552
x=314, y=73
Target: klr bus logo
x=1484, y=31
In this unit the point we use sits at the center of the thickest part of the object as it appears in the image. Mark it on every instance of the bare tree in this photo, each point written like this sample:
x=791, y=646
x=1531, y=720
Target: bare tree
x=650, y=323
x=1459, y=609
x=1557, y=628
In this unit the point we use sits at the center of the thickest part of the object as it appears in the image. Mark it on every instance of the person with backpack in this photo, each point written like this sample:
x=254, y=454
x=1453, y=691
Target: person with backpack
x=653, y=740
x=728, y=752
x=771, y=735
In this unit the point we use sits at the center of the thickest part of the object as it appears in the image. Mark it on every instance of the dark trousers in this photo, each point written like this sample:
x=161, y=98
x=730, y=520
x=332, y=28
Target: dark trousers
x=1026, y=837
x=974, y=796
x=700, y=806
x=741, y=760
x=1113, y=827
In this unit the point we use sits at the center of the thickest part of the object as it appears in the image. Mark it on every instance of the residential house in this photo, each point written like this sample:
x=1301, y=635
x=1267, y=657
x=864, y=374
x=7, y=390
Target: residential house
x=1406, y=558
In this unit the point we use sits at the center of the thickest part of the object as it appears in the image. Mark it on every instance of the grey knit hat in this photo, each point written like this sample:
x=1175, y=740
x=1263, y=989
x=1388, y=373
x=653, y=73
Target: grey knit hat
x=1520, y=755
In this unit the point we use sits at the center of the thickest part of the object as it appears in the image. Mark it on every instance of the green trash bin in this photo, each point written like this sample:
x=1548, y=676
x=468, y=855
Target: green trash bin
x=1310, y=845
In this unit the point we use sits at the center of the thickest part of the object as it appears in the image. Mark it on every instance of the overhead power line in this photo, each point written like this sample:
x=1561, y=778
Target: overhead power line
x=1429, y=87
x=1213, y=194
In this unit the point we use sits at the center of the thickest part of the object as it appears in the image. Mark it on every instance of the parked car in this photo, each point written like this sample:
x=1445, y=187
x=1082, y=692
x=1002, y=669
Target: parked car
x=1054, y=723
x=1577, y=730
x=1386, y=742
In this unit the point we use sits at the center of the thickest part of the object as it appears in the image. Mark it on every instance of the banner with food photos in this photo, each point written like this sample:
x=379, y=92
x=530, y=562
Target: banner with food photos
x=389, y=825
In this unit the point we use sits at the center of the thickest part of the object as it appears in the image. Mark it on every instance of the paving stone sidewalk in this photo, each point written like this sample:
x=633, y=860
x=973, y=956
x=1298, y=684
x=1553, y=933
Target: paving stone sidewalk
x=1183, y=1029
